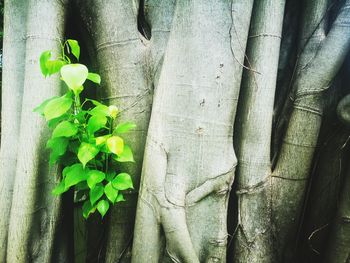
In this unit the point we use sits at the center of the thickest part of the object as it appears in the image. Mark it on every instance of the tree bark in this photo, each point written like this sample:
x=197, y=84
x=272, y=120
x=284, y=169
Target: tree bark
x=32, y=200
x=192, y=116
x=12, y=88
x=253, y=135
x=298, y=147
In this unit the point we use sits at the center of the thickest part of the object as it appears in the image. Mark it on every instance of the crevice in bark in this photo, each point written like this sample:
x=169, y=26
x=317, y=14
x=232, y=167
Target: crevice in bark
x=142, y=25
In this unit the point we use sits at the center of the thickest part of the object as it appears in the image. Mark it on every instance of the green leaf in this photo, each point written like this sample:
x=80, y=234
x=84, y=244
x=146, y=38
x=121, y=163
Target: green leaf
x=57, y=107
x=94, y=78
x=65, y=129
x=124, y=127
x=75, y=175
x=111, y=192
x=100, y=110
x=44, y=57
x=103, y=207
x=115, y=144
x=102, y=139
x=54, y=66
x=88, y=209
x=75, y=48
x=120, y=198
x=58, y=148
x=40, y=109
x=95, y=123
x=47, y=66
x=74, y=75
x=125, y=156
x=110, y=176
x=96, y=193
x=59, y=189
x=122, y=181
x=87, y=152
x=95, y=177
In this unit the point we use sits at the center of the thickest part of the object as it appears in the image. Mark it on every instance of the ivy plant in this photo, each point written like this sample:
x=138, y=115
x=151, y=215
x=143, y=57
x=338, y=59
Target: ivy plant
x=86, y=137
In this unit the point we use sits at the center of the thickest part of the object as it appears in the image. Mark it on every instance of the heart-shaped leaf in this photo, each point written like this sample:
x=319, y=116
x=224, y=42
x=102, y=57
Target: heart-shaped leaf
x=124, y=127
x=95, y=123
x=88, y=209
x=95, y=177
x=75, y=175
x=94, y=78
x=96, y=193
x=125, y=156
x=74, y=75
x=103, y=207
x=65, y=129
x=122, y=181
x=111, y=192
x=57, y=107
x=115, y=144
x=86, y=152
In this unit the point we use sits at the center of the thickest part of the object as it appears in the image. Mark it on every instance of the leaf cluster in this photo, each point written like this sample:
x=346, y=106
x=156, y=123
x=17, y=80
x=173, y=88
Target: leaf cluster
x=86, y=137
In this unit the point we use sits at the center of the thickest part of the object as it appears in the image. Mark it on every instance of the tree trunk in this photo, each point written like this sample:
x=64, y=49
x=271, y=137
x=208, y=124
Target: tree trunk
x=175, y=69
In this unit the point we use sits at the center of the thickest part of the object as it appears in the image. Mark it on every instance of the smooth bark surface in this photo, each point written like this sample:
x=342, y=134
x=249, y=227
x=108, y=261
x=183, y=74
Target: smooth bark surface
x=32, y=200
x=192, y=115
x=12, y=89
x=253, y=135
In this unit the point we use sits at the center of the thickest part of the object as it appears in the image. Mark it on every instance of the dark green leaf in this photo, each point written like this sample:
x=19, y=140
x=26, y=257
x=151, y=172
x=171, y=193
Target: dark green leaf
x=75, y=48
x=123, y=181
x=75, y=175
x=88, y=209
x=103, y=207
x=124, y=127
x=110, y=176
x=57, y=107
x=95, y=123
x=125, y=156
x=65, y=129
x=87, y=152
x=115, y=144
x=96, y=193
x=111, y=192
x=95, y=177
x=94, y=78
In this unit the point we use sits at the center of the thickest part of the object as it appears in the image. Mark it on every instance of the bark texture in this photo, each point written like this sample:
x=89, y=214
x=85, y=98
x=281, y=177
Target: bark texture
x=32, y=200
x=192, y=115
x=175, y=69
x=253, y=135
x=12, y=89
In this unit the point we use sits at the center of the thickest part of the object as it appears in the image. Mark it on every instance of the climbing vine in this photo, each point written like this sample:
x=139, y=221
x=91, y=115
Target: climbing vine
x=86, y=136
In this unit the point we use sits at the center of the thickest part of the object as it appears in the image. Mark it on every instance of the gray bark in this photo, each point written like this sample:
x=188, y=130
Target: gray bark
x=298, y=147
x=253, y=135
x=338, y=249
x=129, y=65
x=12, y=88
x=34, y=211
x=192, y=116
